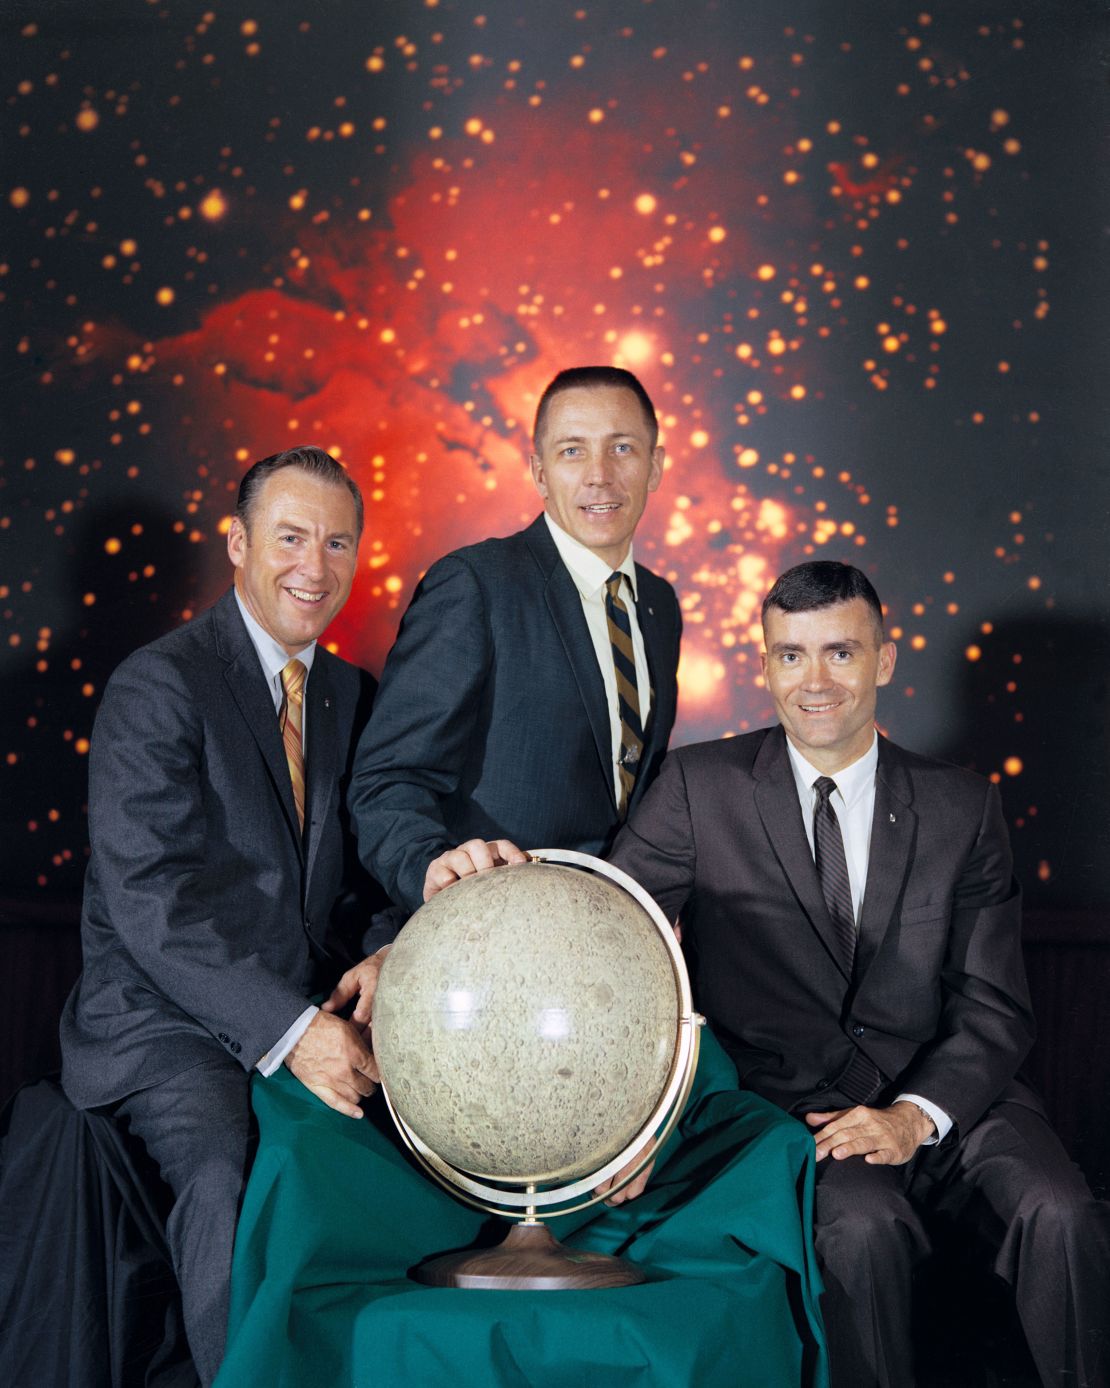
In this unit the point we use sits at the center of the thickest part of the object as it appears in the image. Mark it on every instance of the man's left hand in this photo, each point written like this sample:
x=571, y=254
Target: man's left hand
x=359, y=982
x=881, y=1136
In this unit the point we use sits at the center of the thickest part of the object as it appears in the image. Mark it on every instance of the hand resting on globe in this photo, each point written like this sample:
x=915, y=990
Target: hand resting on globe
x=476, y=855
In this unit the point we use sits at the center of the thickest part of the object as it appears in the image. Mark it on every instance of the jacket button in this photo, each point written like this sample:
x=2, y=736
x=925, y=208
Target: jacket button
x=235, y=1047
x=857, y=1030
x=823, y=1083
x=223, y=1036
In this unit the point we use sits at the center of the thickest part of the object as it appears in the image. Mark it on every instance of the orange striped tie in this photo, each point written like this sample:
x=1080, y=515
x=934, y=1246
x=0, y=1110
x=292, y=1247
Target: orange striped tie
x=292, y=710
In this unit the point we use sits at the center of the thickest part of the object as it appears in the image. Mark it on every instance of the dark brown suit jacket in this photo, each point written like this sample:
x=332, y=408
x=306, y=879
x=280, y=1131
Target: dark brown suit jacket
x=938, y=1000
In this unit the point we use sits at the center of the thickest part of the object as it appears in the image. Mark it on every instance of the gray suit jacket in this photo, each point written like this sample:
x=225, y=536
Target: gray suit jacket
x=938, y=999
x=204, y=912
x=492, y=722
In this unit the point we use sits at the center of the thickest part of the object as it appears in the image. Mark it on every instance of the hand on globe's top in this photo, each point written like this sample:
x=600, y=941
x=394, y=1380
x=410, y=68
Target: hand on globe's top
x=476, y=855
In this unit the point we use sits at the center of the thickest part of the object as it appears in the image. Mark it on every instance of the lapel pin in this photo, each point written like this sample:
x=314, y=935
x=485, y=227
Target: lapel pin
x=893, y=820
x=651, y=611
x=327, y=704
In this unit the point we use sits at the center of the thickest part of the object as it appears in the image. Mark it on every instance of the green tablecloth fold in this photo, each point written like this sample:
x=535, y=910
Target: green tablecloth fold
x=335, y=1214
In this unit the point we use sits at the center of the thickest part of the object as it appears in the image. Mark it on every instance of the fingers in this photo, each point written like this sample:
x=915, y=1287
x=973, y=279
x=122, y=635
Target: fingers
x=335, y=1100
x=837, y=1129
x=341, y=994
x=332, y=1060
x=476, y=855
x=883, y=1137
x=507, y=852
x=634, y=1189
x=361, y=981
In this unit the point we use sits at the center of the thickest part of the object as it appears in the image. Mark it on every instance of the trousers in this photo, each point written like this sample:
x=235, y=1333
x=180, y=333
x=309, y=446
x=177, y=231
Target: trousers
x=1010, y=1187
x=196, y=1127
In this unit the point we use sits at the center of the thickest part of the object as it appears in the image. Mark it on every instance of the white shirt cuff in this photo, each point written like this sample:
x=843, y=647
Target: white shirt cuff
x=941, y=1120
x=276, y=1054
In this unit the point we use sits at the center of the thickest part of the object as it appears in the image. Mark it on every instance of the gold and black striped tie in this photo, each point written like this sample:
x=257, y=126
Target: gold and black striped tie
x=290, y=718
x=628, y=694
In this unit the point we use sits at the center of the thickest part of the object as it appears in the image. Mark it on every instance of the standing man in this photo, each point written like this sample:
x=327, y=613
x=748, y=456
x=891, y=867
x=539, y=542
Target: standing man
x=216, y=778
x=531, y=690
x=855, y=936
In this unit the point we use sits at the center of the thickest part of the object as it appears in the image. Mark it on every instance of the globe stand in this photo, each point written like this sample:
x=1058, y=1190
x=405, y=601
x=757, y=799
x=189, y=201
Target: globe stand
x=529, y=1259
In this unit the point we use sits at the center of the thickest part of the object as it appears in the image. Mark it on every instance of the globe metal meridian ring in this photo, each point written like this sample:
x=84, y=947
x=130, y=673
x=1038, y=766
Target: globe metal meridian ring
x=564, y=1198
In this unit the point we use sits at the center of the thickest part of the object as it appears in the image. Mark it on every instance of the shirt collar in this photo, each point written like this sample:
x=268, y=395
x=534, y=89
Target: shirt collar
x=274, y=658
x=586, y=568
x=851, y=782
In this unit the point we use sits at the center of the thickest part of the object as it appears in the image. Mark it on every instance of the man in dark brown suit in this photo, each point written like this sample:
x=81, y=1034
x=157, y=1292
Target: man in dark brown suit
x=855, y=941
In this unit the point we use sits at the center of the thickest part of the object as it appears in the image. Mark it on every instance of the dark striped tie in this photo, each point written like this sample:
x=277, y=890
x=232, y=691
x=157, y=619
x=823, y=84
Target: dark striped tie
x=862, y=1081
x=628, y=694
x=832, y=870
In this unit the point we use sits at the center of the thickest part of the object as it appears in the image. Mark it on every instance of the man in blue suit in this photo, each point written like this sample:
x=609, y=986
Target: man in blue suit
x=218, y=839
x=531, y=691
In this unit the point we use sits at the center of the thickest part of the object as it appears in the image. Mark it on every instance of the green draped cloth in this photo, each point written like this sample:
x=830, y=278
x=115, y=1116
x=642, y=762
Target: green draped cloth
x=336, y=1213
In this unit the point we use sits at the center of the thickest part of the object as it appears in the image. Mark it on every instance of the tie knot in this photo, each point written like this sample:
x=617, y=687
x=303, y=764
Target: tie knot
x=293, y=678
x=824, y=786
x=613, y=584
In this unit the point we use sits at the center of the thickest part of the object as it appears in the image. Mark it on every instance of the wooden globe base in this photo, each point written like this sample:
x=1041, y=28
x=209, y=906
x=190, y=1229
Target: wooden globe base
x=530, y=1259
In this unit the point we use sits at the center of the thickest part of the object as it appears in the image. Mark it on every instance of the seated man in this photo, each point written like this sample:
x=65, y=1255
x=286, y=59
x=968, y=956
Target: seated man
x=218, y=836
x=855, y=935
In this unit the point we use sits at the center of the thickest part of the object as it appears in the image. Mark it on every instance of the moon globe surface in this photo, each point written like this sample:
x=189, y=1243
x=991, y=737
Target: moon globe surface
x=525, y=1023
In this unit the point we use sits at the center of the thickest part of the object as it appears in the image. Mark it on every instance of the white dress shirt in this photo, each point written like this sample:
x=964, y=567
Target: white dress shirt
x=273, y=659
x=589, y=573
x=854, y=803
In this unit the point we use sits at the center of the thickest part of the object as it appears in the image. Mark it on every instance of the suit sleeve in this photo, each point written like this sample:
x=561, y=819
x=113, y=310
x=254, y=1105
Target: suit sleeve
x=151, y=811
x=413, y=750
x=656, y=846
x=986, y=1024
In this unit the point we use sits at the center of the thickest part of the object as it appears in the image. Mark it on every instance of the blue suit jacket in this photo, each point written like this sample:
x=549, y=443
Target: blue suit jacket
x=204, y=911
x=491, y=721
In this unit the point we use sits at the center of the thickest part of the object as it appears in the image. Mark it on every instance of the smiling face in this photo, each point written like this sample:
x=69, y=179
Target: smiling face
x=824, y=669
x=295, y=564
x=595, y=465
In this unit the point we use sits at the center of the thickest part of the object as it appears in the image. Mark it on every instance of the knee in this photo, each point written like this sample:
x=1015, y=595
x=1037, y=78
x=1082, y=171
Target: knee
x=883, y=1230
x=1068, y=1215
x=206, y=1203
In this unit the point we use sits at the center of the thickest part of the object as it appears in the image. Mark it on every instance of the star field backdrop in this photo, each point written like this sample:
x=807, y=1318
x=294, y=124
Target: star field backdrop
x=856, y=252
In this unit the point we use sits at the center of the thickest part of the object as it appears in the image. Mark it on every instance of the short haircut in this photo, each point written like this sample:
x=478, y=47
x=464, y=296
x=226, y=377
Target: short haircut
x=314, y=461
x=592, y=377
x=822, y=583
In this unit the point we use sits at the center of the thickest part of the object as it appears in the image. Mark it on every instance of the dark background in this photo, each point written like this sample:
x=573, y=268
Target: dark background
x=856, y=252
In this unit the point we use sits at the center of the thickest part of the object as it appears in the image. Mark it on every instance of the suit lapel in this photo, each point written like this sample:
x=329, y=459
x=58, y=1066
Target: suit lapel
x=565, y=607
x=892, y=835
x=247, y=684
x=321, y=771
x=776, y=798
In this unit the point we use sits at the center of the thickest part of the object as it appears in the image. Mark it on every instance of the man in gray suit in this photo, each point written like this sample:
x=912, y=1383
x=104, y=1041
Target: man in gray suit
x=531, y=691
x=855, y=941
x=218, y=837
